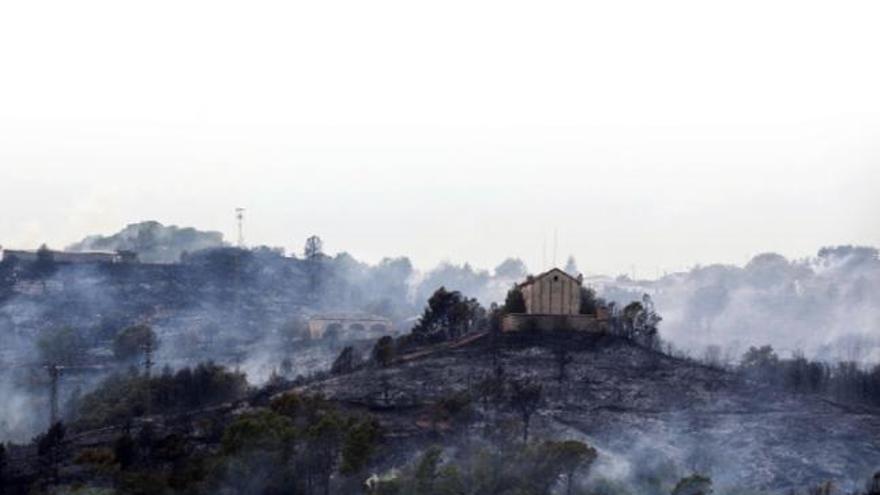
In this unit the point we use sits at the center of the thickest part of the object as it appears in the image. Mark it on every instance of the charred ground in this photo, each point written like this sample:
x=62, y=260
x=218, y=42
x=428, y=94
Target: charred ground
x=653, y=418
x=642, y=409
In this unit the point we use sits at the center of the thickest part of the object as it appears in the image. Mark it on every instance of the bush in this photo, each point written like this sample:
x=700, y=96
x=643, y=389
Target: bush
x=448, y=316
x=63, y=346
x=123, y=396
x=383, y=351
x=261, y=431
x=99, y=456
x=133, y=341
x=514, y=302
x=693, y=485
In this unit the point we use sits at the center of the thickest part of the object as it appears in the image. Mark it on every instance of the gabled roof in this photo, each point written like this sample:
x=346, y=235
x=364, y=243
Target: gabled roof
x=556, y=271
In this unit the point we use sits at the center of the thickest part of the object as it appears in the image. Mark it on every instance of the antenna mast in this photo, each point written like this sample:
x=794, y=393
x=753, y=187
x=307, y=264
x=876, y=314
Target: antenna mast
x=239, y=216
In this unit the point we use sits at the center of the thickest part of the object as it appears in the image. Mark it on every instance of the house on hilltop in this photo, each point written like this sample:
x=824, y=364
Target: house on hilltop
x=553, y=292
x=552, y=302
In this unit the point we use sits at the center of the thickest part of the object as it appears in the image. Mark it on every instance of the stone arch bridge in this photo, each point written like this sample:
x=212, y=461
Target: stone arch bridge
x=348, y=326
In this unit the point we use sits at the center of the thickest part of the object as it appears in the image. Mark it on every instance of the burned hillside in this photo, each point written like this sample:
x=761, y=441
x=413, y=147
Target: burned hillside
x=647, y=413
x=250, y=370
x=652, y=419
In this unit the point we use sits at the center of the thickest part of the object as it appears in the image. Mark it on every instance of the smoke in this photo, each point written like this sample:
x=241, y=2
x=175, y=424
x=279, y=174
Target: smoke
x=486, y=287
x=18, y=421
x=824, y=306
x=154, y=242
x=230, y=306
x=223, y=305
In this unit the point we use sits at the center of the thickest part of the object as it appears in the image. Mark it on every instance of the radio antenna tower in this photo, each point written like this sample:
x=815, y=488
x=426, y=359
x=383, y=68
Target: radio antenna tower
x=239, y=216
x=544, y=254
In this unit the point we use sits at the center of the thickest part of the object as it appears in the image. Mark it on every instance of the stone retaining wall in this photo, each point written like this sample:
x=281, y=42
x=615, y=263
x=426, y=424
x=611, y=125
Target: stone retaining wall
x=546, y=323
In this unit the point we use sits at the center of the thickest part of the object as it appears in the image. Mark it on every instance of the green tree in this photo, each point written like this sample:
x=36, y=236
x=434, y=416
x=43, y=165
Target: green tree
x=525, y=398
x=383, y=351
x=314, y=255
x=514, y=302
x=345, y=362
x=361, y=441
x=131, y=342
x=760, y=358
x=641, y=321
x=314, y=248
x=693, y=485
x=45, y=266
x=450, y=482
x=496, y=318
x=562, y=356
x=49, y=449
x=323, y=445
x=63, y=346
x=258, y=449
x=3, y=463
x=122, y=396
x=286, y=366
x=589, y=302
x=261, y=431
x=448, y=316
x=125, y=451
x=572, y=456
x=289, y=405
x=427, y=471
x=873, y=485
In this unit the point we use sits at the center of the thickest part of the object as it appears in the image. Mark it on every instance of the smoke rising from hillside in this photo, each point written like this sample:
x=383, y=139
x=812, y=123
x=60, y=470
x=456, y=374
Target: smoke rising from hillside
x=154, y=242
x=824, y=306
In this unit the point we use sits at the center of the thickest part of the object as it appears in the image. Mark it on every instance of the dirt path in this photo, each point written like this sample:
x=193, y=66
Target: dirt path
x=464, y=341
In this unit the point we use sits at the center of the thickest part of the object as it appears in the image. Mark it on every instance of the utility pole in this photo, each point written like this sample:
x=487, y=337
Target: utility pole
x=54, y=376
x=237, y=358
x=148, y=370
x=239, y=216
x=148, y=358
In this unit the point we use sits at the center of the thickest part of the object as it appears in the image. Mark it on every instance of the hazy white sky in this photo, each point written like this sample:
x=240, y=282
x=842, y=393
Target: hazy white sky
x=649, y=134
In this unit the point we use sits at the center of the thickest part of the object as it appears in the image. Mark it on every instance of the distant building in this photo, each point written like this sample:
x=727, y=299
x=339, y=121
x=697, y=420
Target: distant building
x=20, y=255
x=72, y=257
x=552, y=302
x=349, y=326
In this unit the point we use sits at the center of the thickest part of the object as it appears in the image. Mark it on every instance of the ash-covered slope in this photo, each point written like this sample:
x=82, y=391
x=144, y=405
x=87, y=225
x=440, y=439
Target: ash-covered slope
x=644, y=411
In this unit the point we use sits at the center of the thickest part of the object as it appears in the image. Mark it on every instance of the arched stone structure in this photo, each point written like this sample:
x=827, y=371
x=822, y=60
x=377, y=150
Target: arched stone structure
x=349, y=326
